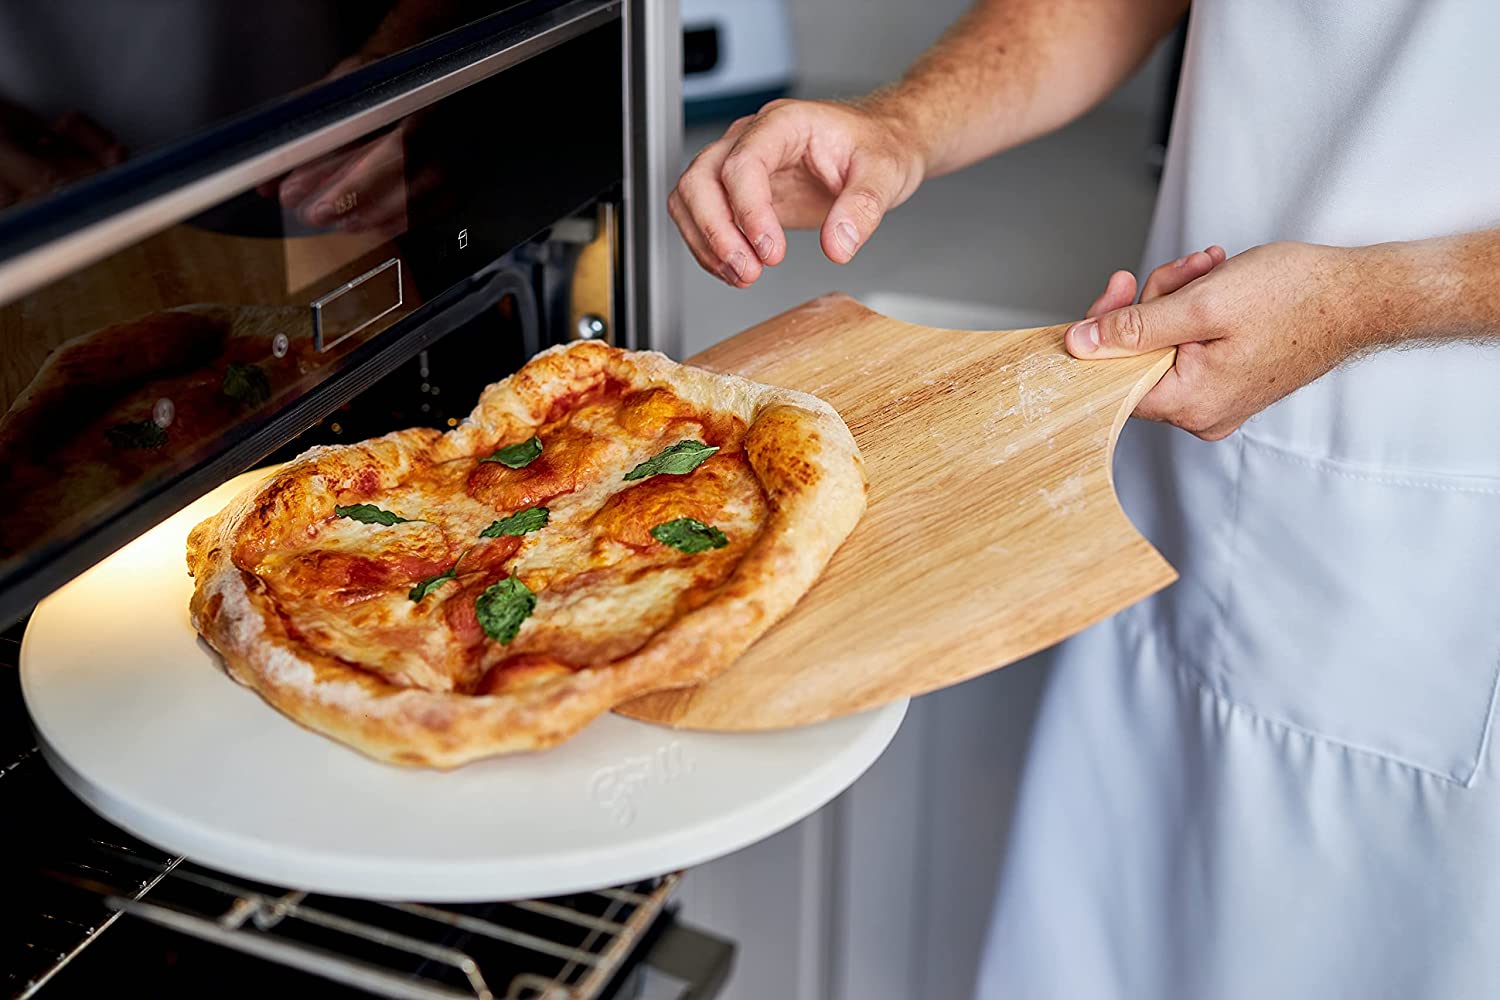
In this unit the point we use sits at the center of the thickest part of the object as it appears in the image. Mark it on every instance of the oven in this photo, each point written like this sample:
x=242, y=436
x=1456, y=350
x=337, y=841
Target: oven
x=232, y=231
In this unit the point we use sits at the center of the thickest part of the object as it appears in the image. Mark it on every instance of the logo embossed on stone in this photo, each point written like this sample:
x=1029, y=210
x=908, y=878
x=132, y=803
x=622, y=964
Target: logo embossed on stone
x=617, y=786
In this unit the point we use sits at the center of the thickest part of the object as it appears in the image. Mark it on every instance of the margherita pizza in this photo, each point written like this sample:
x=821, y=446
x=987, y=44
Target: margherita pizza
x=605, y=524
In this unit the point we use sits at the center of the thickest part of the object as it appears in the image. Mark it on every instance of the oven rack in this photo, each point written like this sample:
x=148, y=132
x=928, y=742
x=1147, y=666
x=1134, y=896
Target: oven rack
x=79, y=875
x=570, y=947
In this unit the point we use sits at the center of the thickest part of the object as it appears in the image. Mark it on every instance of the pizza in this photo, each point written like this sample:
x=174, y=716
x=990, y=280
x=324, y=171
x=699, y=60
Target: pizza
x=605, y=524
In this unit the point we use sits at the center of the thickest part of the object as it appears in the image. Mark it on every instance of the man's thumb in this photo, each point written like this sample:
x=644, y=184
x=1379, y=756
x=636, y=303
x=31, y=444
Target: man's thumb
x=1125, y=332
x=857, y=211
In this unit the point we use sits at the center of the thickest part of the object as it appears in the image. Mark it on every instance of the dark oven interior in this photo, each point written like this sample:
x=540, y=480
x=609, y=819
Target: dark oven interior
x=491, y=223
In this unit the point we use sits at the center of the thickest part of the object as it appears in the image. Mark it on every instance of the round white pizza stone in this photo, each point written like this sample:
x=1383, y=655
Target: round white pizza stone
x=138, y=718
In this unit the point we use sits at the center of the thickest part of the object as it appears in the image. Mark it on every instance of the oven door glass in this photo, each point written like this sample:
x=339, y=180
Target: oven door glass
x=88, y=86
x=137, y=382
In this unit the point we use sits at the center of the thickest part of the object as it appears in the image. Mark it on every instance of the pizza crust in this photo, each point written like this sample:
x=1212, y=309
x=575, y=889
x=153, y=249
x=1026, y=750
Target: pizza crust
x=799, y=449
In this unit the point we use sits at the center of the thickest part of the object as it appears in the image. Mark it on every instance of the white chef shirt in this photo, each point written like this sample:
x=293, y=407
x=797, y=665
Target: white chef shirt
x=1277, y=777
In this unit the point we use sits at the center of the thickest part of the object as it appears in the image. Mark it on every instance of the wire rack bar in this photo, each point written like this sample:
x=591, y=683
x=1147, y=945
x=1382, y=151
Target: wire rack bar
x=251, y=920
x=547, y=909
x=317, y=961
x=626, y=896
x=645, y=913
x=497, y=932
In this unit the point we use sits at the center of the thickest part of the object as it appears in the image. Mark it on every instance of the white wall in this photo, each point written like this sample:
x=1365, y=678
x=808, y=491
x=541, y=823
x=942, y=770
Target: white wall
x=858, y=42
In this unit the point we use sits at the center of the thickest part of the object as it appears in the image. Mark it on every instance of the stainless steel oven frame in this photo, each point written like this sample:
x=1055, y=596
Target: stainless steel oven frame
x=653, y=151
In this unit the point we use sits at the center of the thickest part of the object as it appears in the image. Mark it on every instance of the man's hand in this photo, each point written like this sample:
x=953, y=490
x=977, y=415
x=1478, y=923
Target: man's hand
x=1248, y=330
x=360, y=188
x=1004, y=73
x=793, y=165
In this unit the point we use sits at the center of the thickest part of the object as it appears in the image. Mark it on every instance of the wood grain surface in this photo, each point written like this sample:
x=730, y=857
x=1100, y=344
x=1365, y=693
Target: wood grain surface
x=993, y=529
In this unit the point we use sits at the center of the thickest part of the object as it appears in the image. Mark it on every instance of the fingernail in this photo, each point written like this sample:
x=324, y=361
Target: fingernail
x=1083, y=338
x=736, y=265
x=763, y=247
x=727, y=275
x=847, y=236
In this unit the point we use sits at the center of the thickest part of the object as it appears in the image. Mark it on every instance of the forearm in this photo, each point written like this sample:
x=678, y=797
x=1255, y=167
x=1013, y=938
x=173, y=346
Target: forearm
x=1011, y=70
x=1445, y=288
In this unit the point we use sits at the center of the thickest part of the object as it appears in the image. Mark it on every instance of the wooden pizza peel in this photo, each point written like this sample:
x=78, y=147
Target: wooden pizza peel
x=993, y=529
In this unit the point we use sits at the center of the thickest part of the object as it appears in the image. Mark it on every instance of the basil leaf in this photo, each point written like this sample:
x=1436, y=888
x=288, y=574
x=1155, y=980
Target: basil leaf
x=503, y=607
x=519, y=523
x=427, y=586
x=678, y=460
x=246, y=383
x=518, y=456
x=687, y=534
x=136, y=434
x=368, y=513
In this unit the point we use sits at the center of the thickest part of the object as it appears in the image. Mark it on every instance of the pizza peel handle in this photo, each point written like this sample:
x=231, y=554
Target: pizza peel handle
x=993, y=529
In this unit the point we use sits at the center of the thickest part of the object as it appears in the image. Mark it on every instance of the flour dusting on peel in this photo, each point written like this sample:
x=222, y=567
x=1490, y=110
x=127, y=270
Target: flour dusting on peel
x=1066, y=498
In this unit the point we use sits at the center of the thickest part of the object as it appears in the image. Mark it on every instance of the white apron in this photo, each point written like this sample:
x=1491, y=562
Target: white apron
x=1276, y=779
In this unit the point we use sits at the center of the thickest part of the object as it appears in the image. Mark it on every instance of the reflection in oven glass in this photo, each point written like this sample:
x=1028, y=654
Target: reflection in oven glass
x=438, y=388
x=86, y=85
x=113, y=407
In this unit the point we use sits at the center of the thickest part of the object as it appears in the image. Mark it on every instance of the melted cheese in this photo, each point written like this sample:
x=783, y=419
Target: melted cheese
x=604, y=586
x=629, y=515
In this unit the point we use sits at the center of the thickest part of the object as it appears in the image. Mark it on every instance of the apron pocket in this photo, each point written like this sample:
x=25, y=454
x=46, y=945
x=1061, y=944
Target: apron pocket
x=1361, y=607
